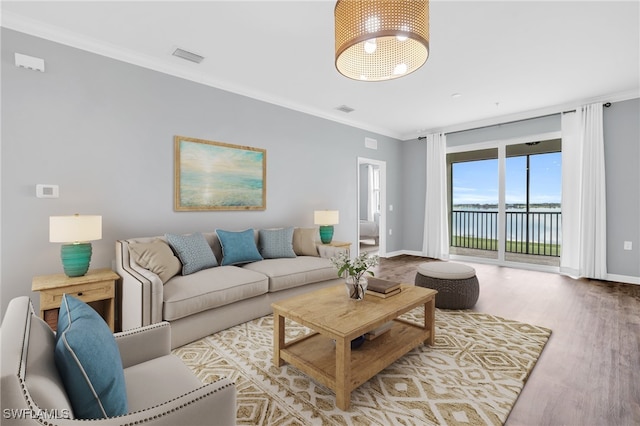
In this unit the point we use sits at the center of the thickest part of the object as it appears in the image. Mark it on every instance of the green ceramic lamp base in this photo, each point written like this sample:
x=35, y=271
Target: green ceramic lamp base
x=326, y=233
x=76, y=259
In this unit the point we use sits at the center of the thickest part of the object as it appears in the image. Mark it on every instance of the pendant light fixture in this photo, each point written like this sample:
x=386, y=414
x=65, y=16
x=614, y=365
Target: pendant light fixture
x=381, y=40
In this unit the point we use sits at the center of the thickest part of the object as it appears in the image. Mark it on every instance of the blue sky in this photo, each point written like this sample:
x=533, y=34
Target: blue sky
x=476, y=182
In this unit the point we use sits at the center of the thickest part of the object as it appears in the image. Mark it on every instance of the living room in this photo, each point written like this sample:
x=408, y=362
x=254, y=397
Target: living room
x=102, y=130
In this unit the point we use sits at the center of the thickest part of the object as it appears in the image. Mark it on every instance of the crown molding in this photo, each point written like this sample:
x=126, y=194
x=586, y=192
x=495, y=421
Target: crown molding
x=526, y=115
x=59, y=35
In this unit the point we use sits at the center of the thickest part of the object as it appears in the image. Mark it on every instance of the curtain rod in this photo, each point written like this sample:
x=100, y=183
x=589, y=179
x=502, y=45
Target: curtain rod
x=606, y=105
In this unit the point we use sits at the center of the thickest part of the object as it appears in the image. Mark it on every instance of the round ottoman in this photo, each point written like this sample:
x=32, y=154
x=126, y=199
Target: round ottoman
x=457, y=284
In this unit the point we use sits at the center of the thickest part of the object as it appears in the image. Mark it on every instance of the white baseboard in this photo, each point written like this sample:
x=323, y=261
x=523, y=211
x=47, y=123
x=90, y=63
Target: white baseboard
x=541, y=268
x=401, y=252
x=623, y=279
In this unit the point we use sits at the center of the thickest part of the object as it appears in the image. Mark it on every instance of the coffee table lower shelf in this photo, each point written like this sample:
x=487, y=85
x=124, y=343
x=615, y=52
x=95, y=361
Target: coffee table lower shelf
x=315, y=355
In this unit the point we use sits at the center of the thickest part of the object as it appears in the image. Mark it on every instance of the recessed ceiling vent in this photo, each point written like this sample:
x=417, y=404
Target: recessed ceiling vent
x=189, y=56
x=345, y=108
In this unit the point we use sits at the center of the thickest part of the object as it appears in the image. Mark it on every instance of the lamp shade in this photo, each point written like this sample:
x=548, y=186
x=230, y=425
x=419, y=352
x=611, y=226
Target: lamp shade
x=74, y=229
x=379, y=40
x=326, y=217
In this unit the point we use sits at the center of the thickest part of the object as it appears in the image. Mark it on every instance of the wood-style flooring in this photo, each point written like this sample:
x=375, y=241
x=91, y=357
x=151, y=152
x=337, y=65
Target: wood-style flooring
x=589, y=371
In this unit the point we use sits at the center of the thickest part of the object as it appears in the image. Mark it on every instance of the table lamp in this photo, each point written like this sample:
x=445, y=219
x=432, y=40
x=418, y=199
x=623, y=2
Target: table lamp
x=75, y=232
x=326, y=219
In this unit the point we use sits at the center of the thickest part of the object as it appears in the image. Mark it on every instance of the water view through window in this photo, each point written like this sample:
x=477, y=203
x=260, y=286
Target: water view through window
x=532, y=222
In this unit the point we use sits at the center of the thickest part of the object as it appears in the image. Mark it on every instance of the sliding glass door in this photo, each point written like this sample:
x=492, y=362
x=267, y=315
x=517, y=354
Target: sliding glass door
x=505, y=202
x=474, y=184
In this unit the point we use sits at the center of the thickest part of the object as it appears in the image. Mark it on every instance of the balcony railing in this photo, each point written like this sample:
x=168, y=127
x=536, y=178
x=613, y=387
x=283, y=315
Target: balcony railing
x=536, y=233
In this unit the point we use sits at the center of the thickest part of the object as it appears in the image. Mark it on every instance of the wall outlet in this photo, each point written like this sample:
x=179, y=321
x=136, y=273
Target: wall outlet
x=390, y=231
x=628, y=245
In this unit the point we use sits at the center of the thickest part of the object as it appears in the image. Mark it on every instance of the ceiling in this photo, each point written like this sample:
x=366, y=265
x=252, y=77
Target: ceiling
x=506, y=59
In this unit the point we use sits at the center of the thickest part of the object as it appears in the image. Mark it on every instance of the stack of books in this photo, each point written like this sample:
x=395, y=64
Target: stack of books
x=382, y=288
x=377, y=332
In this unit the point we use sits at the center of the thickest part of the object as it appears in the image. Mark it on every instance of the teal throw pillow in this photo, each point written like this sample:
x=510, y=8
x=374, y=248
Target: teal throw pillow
x=276, y=243
x=194, y=252
x=89, y=363
x=238, y=247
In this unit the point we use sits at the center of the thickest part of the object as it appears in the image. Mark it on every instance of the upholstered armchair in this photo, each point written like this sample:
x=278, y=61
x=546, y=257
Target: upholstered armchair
x=160, y=389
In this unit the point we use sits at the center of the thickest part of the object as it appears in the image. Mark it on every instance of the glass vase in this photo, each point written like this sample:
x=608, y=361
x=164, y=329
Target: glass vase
x=356, y=289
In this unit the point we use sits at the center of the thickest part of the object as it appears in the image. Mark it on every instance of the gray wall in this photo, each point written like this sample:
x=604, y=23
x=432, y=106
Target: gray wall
x=622, y=167
x=103, y=131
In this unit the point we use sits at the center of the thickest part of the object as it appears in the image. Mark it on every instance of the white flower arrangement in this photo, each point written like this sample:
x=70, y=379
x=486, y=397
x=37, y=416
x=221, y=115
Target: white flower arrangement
x=357, y=267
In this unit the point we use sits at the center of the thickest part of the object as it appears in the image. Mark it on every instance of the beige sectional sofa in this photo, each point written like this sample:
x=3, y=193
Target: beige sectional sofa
x=164, y=278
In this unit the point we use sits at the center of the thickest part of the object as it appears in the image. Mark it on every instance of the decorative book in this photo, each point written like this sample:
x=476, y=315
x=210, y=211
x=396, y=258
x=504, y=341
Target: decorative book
x=382, y=286
x=384, y=295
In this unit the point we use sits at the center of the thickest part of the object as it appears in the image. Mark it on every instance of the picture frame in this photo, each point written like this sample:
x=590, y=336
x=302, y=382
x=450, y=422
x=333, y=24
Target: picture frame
x=211, y=175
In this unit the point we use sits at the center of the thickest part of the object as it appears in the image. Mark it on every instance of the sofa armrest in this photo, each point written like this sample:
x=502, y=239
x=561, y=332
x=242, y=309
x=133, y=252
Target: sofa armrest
x=144, y=343
x=141, y=291
x=212, y=404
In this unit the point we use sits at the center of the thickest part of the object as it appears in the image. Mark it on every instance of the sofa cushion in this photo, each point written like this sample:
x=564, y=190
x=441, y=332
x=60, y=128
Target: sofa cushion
x=304, y=241
x=287, y=273
x=276, y=243
x=210, y=288
x=157, y=257
x=89, y=363
x=194, y=252
x=238, y=247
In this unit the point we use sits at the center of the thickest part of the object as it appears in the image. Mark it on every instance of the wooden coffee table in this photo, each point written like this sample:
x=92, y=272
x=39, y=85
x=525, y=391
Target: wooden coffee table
x=326, y=354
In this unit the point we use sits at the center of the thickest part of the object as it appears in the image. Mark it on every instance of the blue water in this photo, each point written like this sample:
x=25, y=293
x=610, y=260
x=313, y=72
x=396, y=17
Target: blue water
x=220, y=189
x=539, y=231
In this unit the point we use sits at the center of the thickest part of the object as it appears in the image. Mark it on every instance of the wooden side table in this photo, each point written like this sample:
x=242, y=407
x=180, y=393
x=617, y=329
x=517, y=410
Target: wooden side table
x=96, y=288
x=341, y=244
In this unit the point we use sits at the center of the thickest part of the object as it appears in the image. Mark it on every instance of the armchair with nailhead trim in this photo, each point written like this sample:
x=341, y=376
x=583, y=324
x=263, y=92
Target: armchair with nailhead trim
x=160, y=389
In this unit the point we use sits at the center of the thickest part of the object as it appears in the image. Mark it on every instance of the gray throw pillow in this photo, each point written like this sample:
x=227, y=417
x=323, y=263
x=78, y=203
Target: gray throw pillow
x=194, y=252
x=276, y=243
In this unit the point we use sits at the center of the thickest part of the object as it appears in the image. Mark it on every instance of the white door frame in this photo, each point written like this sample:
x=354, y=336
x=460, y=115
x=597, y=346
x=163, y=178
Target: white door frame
x=382, y=251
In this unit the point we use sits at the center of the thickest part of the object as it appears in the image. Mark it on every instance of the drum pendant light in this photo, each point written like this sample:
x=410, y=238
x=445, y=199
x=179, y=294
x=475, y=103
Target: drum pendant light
x=381, y=40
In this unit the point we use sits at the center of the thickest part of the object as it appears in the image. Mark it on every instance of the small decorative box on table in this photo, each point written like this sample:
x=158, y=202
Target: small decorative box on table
x=97, y=288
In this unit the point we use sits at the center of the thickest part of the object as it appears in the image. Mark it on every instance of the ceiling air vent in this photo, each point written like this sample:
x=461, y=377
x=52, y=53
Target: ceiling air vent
x=189, y=56
x=345, y=108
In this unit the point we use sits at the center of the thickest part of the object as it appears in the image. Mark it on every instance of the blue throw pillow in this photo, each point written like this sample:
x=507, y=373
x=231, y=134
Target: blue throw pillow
x=194, y=252
x=238, y=247
x=89, y=363
x=276, y=243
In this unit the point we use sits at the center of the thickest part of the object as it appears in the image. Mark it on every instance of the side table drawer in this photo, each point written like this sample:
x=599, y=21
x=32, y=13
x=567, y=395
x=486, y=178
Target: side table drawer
x=52, y=298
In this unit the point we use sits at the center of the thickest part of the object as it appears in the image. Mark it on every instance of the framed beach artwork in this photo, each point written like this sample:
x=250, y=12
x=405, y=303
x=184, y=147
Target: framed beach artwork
x=218, y=176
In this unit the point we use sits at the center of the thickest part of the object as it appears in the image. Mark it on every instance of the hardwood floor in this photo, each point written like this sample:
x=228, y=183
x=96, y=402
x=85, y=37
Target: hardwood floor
x=589, y=371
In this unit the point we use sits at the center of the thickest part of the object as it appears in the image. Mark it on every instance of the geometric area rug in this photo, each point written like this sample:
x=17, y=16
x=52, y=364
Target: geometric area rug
x=471, y=376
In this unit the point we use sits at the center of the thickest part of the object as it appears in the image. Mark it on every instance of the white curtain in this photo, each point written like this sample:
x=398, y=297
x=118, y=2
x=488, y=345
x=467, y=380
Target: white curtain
x=584, y=221
x=436, y=229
